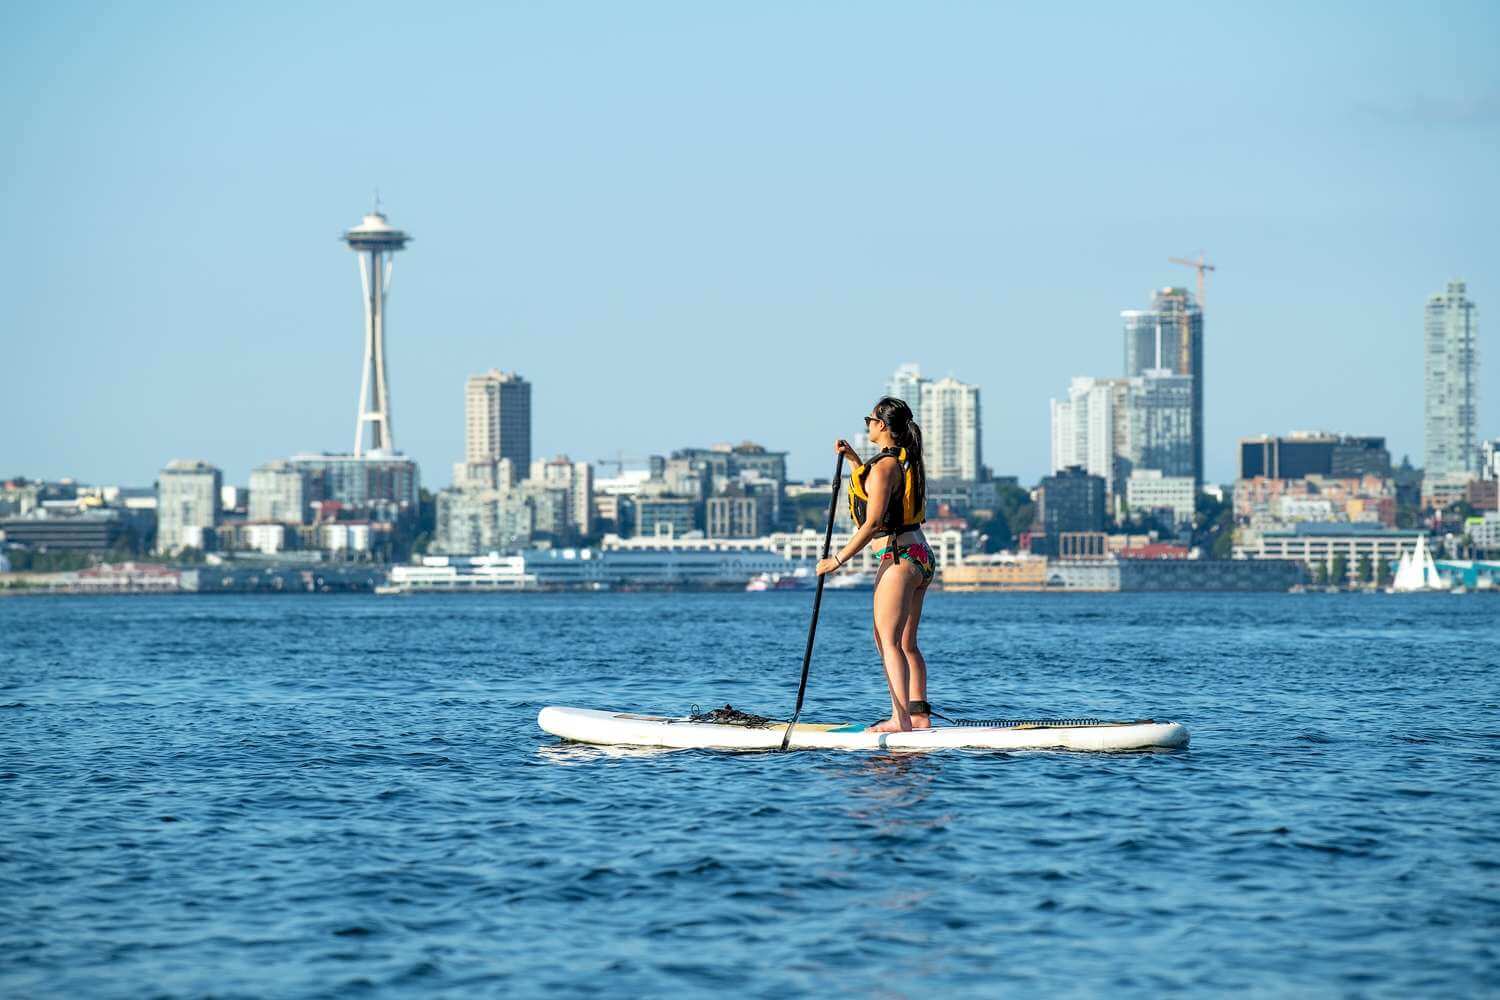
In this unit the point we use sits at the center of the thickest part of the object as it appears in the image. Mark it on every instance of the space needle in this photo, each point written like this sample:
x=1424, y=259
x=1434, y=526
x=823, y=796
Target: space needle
x=376, y=242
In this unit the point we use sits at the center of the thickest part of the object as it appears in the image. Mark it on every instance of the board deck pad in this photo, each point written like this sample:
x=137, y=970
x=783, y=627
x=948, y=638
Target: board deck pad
x=583, y=725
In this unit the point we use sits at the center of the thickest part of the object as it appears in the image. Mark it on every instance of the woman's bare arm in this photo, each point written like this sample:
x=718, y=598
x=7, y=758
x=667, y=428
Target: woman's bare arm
x=878, y=485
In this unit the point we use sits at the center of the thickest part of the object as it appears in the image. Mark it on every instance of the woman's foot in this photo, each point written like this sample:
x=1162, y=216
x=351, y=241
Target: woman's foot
x=921, y=714
x=890, y=726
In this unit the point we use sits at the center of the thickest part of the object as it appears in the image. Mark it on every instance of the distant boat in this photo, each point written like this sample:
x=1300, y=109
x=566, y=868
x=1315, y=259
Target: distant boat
x=762, y=582
x=852, y=581
x=1417, y=572
x=389, y=589
x=803, y=579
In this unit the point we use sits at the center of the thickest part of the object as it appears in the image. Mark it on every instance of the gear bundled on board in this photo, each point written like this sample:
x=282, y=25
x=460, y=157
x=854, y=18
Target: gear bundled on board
x=729, y=716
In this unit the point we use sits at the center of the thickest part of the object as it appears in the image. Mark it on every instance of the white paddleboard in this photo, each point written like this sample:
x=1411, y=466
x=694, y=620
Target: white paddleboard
x=585, y=725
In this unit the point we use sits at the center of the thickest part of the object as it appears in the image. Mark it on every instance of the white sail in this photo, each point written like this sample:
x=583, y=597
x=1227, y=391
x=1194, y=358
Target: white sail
x=1406, y=579
x=1431, y=580
x=1417, y=571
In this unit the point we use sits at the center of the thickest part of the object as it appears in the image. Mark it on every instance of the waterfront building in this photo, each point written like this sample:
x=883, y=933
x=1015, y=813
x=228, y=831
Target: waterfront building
x=1169, y=336
x=1315, y=545
x=591, y=569
x=376, y=242
x=492, y=572
x=1304, y=453
x=805, y=546
x=1451, y=382
x=1172, y=575
x=576, y=480
x=187, y=503
x=1067, y=501
x=279, y=494
x=497, y=419
x=360, y=480
x=95, y=530
x=998, y=571
x=127, y=578
x=1147, y=490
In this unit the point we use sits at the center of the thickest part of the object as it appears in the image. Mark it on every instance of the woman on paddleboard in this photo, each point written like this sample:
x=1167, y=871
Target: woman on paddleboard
x=887, y=500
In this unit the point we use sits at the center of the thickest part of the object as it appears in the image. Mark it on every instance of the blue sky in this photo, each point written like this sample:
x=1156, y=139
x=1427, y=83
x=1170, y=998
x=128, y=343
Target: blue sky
x=689, y=223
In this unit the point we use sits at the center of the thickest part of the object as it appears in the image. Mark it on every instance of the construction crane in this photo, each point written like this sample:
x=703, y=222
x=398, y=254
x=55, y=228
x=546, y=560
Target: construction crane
x=620, y=460
x=1200, y=265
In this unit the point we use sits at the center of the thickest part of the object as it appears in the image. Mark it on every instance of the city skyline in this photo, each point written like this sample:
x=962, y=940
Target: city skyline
x=1334, y=198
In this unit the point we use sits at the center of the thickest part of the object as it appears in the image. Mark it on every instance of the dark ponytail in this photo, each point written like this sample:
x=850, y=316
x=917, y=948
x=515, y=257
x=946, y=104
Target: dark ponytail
x=897, y=416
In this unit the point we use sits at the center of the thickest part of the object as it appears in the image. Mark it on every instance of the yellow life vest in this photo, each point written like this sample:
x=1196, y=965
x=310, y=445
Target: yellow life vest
x=906, y=516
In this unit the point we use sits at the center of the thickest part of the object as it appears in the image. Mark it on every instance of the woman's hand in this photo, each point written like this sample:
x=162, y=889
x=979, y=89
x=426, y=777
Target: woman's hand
x=842, y=447
x=827, y=565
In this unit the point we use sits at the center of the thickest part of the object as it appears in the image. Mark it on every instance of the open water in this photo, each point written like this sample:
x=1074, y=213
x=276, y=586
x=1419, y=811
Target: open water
x=307, y=796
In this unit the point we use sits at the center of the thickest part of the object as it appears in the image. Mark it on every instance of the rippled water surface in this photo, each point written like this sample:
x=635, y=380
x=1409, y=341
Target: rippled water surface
x=302, y=795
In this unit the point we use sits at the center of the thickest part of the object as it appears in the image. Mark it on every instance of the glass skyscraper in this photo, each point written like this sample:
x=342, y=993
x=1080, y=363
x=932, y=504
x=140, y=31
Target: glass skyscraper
x=1451, y=383
x=1168, y=337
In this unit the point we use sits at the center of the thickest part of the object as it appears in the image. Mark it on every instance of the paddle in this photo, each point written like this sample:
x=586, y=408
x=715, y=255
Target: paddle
x=812, y=626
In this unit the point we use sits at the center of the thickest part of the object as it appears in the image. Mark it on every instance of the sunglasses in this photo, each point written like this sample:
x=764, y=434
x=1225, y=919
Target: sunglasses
x=872, y=420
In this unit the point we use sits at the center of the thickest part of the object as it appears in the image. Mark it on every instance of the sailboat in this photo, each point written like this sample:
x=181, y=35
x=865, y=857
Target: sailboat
x=1417, y=571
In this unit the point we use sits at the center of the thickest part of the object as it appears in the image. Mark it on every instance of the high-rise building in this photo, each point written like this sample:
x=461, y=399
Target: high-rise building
x=1111, y=427
x=1302, y=454
x=948, y=412
x=906, y=384
x=949, y=419
x=279, y=494
x=576, y=479
x=376, y=242
x=1169, y=336
x=1070, y=500
x=497, y=419
x=187, y=504
x=1161, y=434
x=1451, y=383
x=1091, y=429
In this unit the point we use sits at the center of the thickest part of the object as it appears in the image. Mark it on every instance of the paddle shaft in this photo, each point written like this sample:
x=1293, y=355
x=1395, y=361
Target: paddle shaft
x=812, y=626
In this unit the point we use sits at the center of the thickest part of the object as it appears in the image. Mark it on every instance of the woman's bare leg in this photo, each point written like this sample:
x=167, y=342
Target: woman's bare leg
x=916, y=663
x=893, y=590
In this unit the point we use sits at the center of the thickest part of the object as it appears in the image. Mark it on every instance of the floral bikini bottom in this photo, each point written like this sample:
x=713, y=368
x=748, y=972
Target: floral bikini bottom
x=918, y=554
